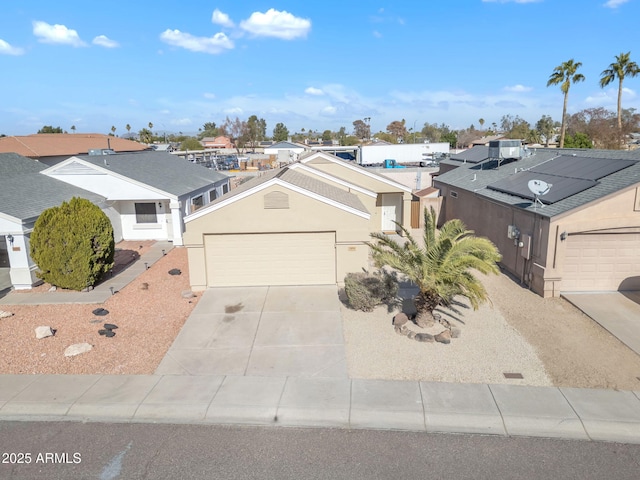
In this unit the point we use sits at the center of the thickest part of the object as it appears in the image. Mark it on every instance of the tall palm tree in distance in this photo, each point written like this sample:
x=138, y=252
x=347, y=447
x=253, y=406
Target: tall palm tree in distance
x=128, y=127
x=564, y=75
x=621, y=68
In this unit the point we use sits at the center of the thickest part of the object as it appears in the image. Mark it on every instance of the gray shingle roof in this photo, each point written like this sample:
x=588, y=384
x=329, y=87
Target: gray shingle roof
x=473, y=155
x=476, y=178
x=302, y=181
x=160, y=170
x=25, y=193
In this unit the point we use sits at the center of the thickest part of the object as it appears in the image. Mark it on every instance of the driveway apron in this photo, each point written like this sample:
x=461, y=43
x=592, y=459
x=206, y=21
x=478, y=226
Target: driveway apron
x=293, y=331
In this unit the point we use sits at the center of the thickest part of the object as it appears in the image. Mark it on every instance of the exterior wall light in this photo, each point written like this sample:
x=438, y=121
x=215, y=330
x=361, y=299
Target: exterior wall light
x=563, y=236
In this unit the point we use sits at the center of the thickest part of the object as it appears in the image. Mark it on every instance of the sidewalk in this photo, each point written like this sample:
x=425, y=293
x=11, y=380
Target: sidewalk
x=101, y=292
x=568, y=413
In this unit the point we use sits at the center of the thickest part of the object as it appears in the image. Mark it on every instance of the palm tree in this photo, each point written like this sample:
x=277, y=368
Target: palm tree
x=113, y=129
x=564, y=75
x=73, y=128
x=440, y=269
x=623, y=67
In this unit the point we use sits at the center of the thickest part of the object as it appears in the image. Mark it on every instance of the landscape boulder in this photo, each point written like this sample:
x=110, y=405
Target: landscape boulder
x=400, y=319
x=443, y=337
x=5, y=314
x=77, y=349
x=187, y=294
x=44, y=332
x=175, y=271
x=424, y=337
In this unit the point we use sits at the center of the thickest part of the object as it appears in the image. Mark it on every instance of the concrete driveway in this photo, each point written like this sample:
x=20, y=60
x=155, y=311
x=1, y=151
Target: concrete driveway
x=618, y=312
x=261, y=331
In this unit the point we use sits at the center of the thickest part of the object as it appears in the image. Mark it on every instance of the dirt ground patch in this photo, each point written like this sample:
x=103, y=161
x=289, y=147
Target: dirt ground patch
x=575, y=350
x=149, y=313
x=548, y=341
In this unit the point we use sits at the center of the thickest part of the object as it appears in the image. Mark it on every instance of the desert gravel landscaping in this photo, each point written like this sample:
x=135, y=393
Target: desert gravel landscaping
x=149, y=313
x=548, y=341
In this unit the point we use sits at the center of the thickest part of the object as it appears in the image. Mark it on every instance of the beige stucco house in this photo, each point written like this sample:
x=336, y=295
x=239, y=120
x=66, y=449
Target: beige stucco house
x=303, y=224
x=583, y=235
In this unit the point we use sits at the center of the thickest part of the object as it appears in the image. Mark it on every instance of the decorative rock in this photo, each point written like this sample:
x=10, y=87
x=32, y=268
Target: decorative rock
x=187, y=294
x=455, y=332
x=43, y=332
x=443, y=337
x=110, y=334
x=77, y=349
x=110, y=326
x=400, y=319
x=53, y=288
x=144, y=286
x=5, y=314
x=175, y=271
x=100, y=312
x=423, y=337
x=102, y=332
x=411, y=335
x=401, y=330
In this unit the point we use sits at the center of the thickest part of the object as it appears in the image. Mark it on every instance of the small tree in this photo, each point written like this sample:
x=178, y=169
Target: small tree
x=73, y=244
x=443, y=268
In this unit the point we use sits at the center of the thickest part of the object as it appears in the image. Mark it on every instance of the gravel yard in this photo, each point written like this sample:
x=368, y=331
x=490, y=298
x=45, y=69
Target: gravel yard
x=149, y=313
x=548, y=341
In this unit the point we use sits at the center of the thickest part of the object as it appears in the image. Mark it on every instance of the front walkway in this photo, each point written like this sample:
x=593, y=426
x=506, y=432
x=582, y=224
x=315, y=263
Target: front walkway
x=265, y=331
x=101, y=292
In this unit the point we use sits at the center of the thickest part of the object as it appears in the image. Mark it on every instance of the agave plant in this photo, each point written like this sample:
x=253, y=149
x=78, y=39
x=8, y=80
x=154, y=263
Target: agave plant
x=443, y=268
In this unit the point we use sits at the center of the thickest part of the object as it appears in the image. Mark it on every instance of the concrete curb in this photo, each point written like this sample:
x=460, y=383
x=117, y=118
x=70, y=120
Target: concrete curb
x=430, y=407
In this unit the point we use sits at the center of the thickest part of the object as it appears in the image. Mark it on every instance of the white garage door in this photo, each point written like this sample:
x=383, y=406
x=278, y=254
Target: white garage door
x=271, y=259
x=600, y=262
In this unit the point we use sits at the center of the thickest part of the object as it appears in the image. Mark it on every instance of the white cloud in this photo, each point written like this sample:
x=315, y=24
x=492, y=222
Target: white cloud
x=6, y=49
x=233, y=111
x=517, y=88
x=104, y=41
x=274, y=23
x=181, y=122
x=313, y=91
x=609, y=98
x=56, y=34
x=377, y=34
x=213, y=45
x=222, y=19
x=329, y=110
x=209, y=96
x=615, y=3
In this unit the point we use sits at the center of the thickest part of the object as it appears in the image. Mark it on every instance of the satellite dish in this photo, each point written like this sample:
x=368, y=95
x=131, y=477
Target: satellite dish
x=539, y=187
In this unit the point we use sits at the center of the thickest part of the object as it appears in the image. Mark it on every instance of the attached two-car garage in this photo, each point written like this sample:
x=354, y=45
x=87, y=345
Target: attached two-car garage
x=601, y=262
x=252, y=259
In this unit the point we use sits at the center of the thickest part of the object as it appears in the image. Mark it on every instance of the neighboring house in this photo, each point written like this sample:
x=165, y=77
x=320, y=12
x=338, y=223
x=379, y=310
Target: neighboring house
x=485, y=140
x=52, y=148
x=216, y=142
x=286, y=152
x=583, y=235
x=24, y=194
x=306, y=223
x=148, y=193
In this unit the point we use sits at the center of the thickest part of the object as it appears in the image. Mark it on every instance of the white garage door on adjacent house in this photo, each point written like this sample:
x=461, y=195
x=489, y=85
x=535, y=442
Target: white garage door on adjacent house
x=601, y=262
x=271, y=259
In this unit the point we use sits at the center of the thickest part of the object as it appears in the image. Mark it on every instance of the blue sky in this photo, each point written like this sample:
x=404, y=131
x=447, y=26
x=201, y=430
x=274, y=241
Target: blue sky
x=312, y=65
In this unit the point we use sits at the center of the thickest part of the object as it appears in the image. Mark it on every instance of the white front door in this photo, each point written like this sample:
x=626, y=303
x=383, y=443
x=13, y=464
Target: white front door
x=391, y=211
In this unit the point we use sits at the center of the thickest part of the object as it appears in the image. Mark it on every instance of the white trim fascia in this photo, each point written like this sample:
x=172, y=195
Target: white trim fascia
x=12, y=219
x=99, y=169
x=274, y=181
x=337, y=180
x=361, y=170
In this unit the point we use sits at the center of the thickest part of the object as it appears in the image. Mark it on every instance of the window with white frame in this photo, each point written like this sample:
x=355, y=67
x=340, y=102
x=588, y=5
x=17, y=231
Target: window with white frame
x=197, y=202
x=213, y=194
x=146, y=213
x=225, y=188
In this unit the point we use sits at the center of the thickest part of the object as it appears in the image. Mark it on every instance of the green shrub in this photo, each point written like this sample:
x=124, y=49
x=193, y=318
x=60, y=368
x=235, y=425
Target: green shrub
x=73, y=244
x=366, y=291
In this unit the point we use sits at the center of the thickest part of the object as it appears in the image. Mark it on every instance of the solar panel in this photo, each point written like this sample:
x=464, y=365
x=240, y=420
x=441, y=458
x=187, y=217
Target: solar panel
x=582, y=167
x=562, y=187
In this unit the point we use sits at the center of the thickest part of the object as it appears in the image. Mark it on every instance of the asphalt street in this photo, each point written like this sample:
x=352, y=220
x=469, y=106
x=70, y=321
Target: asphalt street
x=70, y=450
